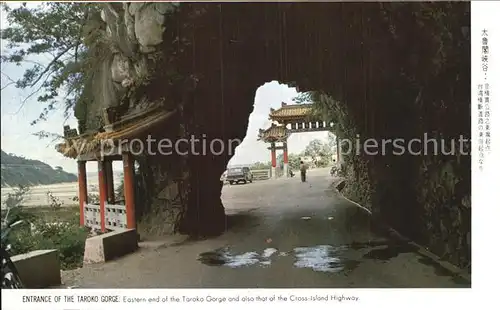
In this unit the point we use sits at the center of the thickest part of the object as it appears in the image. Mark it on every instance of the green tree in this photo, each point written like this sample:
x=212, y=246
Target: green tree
x=54, y=31
x=319, y=151
x=293, y=161
x=303, y=98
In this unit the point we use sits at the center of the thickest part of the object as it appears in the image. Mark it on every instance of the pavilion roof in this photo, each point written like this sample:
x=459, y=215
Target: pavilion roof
x=92, y=143
x=291, y=111
x=274, y=133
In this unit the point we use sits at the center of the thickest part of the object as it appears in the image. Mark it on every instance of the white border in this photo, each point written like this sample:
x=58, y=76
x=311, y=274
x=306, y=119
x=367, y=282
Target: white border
x=377, y=298
x=485, y=204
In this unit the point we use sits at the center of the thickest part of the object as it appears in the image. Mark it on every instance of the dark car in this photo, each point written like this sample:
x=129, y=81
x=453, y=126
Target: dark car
x=237, y=175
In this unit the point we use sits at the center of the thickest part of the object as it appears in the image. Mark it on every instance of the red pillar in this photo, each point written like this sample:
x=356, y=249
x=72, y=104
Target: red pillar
x=103, y=196
x=273, y=155
x=128, y=188
x=82, y=190
x=285, y=153
x=108, y=169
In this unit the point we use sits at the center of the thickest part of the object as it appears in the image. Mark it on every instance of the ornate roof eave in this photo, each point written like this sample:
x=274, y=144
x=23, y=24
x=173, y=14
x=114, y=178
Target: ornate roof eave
x=89, y=143
x=291, y=111
x=289, y=117
x=274, y=133
x=274, y=139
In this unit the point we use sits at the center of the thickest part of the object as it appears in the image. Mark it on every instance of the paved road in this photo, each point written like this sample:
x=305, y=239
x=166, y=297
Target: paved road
x=281, y=234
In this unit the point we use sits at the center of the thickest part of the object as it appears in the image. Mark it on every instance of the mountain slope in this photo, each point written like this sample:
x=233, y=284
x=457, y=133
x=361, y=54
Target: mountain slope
x=21, y=171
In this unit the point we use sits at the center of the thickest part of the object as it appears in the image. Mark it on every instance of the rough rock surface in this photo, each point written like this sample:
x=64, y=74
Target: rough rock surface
x=207, y=60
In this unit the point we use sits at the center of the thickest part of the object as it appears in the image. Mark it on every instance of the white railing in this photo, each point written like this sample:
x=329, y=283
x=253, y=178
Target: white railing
x=259, y=175
x=115, y=216
x=92, y=216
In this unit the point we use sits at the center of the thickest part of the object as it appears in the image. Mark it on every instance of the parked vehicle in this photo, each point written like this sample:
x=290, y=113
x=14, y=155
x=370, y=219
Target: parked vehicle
x=237, y=175
x=10, y=275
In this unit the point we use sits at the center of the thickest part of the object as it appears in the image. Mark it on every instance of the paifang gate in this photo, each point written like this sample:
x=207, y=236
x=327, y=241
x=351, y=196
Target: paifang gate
x=289, y=119
x=104, y=147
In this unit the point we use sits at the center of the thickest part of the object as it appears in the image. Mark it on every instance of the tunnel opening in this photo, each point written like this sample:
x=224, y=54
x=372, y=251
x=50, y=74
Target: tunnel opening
x=256, y=149
x=272, y=150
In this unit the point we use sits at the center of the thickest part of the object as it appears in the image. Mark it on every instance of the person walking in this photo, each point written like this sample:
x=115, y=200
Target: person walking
x=303, y=169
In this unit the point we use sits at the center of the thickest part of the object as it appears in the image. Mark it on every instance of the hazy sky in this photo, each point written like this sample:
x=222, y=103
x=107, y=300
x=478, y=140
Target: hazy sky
x=17, y=133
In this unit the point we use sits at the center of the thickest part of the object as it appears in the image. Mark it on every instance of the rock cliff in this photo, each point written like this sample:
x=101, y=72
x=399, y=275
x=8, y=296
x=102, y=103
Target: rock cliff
x=398, y=70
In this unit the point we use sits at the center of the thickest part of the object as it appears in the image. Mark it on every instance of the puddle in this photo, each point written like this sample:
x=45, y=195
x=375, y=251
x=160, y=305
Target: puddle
x=269, y=252
x=266, y=255
x=214, y=258
x=389, y=251
x=222, y=257
x=323, y=258
x=244, y=259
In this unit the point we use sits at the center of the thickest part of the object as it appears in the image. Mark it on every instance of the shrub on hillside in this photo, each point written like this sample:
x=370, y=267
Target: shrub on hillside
x=68, y=237
x=41, y=234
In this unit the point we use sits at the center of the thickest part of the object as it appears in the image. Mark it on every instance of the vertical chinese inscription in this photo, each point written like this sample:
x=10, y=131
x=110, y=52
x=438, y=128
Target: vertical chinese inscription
x=485, y=53
x=487, y=129
x=480, y=124
x=484, y=112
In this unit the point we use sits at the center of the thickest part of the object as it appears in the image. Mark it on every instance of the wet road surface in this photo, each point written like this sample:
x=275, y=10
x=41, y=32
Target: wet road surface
x=281, y=234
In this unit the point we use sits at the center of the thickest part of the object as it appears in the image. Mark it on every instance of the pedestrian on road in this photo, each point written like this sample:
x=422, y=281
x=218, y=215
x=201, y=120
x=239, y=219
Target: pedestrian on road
x=303, y=169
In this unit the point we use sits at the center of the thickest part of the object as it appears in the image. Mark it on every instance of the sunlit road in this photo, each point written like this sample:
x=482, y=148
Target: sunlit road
x=282, y=233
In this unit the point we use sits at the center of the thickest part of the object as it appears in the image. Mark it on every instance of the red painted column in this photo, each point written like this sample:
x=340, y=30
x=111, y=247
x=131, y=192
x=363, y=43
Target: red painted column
x=103, y=195
x=82, y=190
x=128, y=188
x=273, y=157
x=273, y=160
x=285, y=153
x=108, y=169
